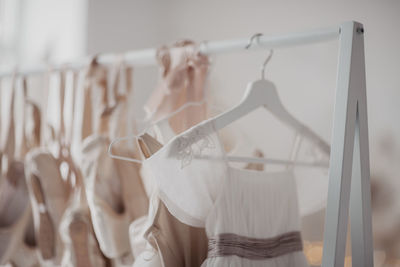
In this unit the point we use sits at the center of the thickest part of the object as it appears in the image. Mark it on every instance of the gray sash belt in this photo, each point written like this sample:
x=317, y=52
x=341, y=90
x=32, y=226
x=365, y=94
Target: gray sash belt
x=254, y=248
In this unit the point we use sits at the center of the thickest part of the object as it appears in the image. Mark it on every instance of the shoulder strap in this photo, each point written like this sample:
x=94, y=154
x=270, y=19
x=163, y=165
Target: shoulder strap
x=124, y=113
x=148, y=145
x=24, y=144
x=296, y=145
x=75, y=77
x=106, y=109
x=62, y=102
x=36, y=114
x=96, y=75
x=51, y=136
x=65, y=136
x=61, y=133
x=9, y=147
x=119, y=126
x=87, y=120
x=1, y=128
x=33, y=140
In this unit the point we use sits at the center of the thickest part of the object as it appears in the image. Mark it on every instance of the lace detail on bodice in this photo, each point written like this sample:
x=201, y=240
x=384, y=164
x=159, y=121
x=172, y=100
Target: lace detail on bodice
x=192, y=145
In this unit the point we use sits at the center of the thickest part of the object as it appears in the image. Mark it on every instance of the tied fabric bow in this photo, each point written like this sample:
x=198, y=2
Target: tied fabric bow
x=179, y=68
x=183, y=76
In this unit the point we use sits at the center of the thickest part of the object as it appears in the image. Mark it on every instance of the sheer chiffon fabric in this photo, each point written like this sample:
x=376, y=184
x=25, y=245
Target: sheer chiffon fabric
x=188, y=186
x=256, y=204
x=312, y=183
x=210, y=193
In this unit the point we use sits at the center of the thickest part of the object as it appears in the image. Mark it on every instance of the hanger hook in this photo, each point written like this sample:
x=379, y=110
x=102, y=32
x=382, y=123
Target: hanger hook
x=251, y=41
x=254, y=36
x=271, y=52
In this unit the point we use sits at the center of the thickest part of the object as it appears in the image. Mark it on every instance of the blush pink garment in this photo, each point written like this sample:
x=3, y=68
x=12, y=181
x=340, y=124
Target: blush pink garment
x=183, y=77
x=15, y=211
x=177, y=244
x=114, y=188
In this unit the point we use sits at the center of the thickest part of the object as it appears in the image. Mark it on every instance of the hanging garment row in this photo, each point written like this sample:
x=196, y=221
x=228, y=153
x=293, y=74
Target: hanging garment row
x=203, y=195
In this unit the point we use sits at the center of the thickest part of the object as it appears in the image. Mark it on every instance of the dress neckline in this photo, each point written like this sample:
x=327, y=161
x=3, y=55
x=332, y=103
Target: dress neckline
x=179, y=136
x=200, y=127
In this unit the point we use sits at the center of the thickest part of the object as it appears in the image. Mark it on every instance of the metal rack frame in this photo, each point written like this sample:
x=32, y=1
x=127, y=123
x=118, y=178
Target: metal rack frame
x=349, y=172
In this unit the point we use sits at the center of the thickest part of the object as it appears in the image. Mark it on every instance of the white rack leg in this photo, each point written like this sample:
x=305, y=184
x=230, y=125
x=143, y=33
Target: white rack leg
x=366, y=217
x=349, y=129
x=360, y=198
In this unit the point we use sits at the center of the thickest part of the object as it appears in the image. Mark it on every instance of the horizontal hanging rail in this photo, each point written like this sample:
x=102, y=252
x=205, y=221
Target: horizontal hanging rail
x=147, y=57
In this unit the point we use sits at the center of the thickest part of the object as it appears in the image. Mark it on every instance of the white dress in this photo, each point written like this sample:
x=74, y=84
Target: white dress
x=251, y=217
x=311, y=183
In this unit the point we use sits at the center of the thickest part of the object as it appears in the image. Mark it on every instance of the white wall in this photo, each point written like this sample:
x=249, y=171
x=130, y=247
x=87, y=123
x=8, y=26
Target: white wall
x=52, y=30
x=43, y=31
x=118, y=26
x=305, y=76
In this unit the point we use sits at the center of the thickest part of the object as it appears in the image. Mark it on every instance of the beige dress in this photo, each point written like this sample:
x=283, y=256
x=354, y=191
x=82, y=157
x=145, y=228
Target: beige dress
x=177, y=244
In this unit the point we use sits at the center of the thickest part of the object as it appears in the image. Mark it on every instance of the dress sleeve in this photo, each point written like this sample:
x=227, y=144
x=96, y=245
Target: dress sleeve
x=189, y=172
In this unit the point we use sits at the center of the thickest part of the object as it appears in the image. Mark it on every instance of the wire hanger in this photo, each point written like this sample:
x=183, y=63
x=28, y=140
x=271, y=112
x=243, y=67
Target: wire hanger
x=135, y=137
x=189, y=103
x=157, y=122
x=263, y=93
x=259, y=93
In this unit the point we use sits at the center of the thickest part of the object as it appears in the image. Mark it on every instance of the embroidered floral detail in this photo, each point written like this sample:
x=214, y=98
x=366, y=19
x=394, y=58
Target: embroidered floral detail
x=193, y=144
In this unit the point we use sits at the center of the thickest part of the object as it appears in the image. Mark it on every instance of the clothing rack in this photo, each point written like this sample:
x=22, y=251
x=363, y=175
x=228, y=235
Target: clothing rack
x=349, y=173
